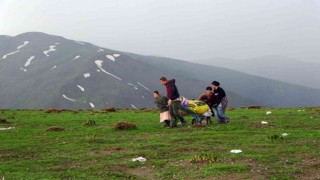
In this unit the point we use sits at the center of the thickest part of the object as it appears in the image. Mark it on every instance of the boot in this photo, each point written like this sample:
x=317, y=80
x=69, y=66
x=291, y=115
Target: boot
x=166, y=123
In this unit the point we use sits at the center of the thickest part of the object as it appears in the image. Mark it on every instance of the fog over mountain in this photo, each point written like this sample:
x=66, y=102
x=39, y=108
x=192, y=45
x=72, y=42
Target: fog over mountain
x=181, y=29
x=38, y=70
x=274, y=67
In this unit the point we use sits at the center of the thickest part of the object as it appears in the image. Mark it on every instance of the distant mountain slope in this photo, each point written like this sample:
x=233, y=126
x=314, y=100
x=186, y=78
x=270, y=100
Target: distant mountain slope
x=263, y=91
x=274, y=67
x=38, y=70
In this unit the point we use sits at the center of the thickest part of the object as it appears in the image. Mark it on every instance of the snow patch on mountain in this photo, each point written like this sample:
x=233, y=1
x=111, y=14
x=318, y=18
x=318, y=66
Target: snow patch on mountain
x=134, y=107
x=24, y=44
x=76, y=57
x=86, y=75
x=134, y=86
x=99, y=64
x=111, y=57
x=52, y=48
x=22, y=69
x=116, y=55
x=53, y=67
x=79, y=42
x=143, y=86
x=100, y=50
x=29, y=61
x=64, y=96
x=81, y=88
x=5, y=56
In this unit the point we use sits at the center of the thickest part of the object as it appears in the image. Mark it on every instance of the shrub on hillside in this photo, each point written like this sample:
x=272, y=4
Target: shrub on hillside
x=124, y=125
x=52, y=110
x=110, y=109
x=3, y=120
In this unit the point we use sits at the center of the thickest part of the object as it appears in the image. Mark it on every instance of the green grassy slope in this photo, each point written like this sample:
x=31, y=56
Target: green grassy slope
x=99, y=152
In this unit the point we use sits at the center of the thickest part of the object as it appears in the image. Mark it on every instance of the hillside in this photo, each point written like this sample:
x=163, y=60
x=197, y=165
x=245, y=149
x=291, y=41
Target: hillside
x=285, y=148
x=38, y=70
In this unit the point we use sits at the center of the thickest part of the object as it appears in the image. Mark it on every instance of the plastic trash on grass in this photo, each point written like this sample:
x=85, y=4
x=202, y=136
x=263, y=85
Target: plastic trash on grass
x=3, y=129
x=269, y=112
x=140, y=159
x=236, y=151
x=284, y=134
x=264, y=122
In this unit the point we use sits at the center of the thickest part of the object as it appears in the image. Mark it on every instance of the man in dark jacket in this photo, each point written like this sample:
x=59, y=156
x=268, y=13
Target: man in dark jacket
x=174, y=101
x=221, y=103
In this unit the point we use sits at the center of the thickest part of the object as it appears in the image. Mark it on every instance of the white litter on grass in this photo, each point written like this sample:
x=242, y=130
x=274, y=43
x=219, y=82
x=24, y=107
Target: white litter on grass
x=116, y=55
x=100, y=50
x=236, y=151
x=53, y=67
x=79, y=42
x=76, y=57
x=284, y=134
x=269, y=112
x=140, y=159
x=311, y=117
x=8, y=128
x=81, y=88
x=111, y=57
x=5, y=56
x=264, y=122
x=24, y=44
x=68, y=98
x=86, y=75
x=143, y=86
x=99, y=64
x=134, y=86
x=29, y=61
x=91, y=104
x=51, y=49
x=134, y=106
x=22, y=69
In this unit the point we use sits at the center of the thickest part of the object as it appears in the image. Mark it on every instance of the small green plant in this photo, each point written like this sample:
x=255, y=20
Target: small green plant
x=90, y=123
x=204, y=158
x=275, y=137
x=91, y=138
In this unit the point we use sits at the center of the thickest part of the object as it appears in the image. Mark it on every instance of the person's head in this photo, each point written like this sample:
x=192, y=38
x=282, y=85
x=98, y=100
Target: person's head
x=156, y=94
x=209, y=89
x=163, y=81
x=215, y=84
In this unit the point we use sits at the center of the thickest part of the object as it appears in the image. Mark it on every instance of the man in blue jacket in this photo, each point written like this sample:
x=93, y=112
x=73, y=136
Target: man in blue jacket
x=174, y=101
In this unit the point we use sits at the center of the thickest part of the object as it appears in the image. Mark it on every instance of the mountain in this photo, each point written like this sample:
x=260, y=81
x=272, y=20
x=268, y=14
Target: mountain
x=40, y=71
x=274, y=67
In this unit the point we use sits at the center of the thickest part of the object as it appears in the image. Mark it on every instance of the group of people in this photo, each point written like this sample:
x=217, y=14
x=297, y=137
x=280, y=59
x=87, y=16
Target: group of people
x=169, y=105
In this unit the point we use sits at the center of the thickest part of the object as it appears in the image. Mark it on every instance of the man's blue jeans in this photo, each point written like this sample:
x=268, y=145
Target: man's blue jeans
x=218, y=111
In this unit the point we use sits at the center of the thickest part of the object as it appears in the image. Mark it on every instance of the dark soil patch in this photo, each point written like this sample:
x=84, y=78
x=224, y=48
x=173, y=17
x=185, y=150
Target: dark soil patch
x=54, y=128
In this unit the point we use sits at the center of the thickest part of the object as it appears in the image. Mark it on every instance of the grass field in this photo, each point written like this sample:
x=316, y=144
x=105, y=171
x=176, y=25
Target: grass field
x=100, y=152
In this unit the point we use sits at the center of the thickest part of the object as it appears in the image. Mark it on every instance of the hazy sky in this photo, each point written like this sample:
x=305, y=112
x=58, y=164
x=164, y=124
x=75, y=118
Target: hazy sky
x=184, y=29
